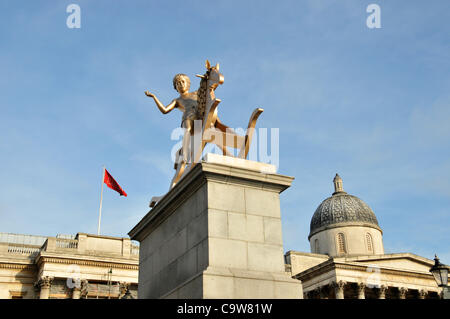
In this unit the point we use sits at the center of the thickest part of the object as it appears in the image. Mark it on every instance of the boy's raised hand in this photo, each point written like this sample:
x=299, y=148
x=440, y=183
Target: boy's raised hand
x=149, y=94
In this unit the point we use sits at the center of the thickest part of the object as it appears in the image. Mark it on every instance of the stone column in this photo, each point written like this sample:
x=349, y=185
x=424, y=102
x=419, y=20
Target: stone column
x=123, y=288
x=45, y=284
x=76, y=292
x=339, y=289
x=36, y=289
x=402, y=292
x=445, y=293
x=84, y=289
x=422, y=293
x=382, y=292
x=361, y=290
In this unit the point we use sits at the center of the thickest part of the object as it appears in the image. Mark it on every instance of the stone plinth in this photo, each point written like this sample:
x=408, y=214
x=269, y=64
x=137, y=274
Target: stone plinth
x=216, y=234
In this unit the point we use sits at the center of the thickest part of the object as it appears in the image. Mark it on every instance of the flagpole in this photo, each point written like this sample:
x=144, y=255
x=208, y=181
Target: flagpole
x=101, y=200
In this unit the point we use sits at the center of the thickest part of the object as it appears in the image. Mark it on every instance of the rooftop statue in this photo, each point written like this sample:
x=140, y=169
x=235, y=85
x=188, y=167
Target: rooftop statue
x=200, y=110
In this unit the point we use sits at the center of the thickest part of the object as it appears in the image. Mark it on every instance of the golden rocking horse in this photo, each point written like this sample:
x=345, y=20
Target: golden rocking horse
x=212, y=130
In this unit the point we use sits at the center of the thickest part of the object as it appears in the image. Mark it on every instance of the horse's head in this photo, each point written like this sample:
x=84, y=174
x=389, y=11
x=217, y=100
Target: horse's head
x=212, y=75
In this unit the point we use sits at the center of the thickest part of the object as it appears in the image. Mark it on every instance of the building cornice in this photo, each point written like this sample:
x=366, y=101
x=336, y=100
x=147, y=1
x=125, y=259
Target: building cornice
x=133, y=265
x=370, y=258
x=102, y=236
x=4, y=265
x=331, y=265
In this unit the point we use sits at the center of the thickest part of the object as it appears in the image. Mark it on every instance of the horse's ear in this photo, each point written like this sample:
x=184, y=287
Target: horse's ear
x=217, y=67
x=208, y=65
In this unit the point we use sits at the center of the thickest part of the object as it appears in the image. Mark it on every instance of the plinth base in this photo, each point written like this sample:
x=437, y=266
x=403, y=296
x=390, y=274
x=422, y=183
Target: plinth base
x=216, y=234
x=228, y=283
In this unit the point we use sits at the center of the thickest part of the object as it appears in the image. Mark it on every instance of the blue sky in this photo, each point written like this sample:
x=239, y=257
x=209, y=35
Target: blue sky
x=370, y=104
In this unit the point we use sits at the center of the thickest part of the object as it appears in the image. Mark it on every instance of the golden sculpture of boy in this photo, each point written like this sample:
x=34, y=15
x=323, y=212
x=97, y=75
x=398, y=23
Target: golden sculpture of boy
x=187, y=103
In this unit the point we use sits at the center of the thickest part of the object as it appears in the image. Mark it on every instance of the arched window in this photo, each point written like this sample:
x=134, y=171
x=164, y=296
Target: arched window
x=316, y=246
x=369, y=242
x=342, y=249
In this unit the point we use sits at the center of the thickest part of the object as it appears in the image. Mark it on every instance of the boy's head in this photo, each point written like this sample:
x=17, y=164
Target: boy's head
x=182, y=80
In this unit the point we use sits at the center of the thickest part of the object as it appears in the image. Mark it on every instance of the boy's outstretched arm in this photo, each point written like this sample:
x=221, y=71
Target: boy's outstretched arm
x=161, y=107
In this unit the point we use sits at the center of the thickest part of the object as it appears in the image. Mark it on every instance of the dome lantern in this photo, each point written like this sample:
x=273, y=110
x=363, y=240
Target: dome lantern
x=338, y=185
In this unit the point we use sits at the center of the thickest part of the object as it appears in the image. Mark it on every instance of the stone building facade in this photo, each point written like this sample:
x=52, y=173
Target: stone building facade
x=61, y=267
x=347, y=258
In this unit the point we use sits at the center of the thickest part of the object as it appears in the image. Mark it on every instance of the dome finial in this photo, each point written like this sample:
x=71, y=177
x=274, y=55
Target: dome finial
x=338, y=187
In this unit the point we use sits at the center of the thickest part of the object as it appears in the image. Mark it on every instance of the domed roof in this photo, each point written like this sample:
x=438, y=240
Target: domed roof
x=342, y=208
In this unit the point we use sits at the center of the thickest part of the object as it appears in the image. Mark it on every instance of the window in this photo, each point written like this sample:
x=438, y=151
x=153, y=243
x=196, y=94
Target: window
x=341, y=244
x=369, y=242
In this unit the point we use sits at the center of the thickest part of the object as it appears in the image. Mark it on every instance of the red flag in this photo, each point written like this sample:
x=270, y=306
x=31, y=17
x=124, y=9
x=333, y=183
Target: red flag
x=111, y=183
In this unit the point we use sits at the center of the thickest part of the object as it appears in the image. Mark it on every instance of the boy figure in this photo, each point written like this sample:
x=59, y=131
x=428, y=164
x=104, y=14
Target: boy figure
x=187, y=103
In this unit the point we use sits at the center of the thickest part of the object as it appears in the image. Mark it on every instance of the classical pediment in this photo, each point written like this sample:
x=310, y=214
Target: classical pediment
x=400, y=261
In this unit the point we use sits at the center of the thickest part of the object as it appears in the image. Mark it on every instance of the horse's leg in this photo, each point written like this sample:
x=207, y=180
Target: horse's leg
x=178, y=174
x=208, y=122
x=179, y=167
x=236, y=138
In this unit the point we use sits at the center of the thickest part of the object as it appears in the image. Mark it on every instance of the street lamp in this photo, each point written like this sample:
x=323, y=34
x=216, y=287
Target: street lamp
x=440, y=274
